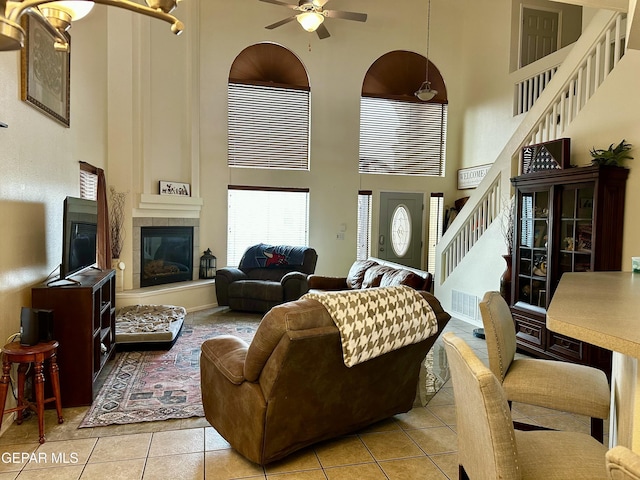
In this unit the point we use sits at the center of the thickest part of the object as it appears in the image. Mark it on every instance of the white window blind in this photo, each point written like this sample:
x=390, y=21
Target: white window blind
x=364, y=225
x=403, y=138
x=436, y=220
x=276, y=217
x=88, y=185
x=268, y=127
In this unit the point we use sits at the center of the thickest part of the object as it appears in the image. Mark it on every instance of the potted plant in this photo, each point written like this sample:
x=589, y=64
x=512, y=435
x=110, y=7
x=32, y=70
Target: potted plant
x=613, y=156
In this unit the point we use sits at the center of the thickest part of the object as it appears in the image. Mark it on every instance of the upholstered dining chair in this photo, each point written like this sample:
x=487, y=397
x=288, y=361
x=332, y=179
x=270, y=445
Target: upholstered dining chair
x=558, y=385
x=622, y=464
x=488, y=445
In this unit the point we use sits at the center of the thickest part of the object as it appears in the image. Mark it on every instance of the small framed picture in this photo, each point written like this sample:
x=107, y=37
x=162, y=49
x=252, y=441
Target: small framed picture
x=175, y=188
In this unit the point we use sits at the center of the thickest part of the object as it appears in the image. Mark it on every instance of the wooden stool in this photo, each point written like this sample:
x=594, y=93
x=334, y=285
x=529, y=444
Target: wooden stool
x=24, y=355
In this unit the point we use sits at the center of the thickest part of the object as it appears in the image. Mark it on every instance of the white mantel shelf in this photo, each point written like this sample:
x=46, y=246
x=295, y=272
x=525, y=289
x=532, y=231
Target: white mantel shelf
x=150, y=205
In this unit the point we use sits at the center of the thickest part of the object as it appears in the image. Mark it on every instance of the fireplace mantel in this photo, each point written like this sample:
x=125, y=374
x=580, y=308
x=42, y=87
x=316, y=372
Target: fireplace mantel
x=150, y=205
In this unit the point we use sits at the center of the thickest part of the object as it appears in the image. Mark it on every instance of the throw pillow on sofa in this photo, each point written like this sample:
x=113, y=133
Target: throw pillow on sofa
x=357, y=271
x=402, y=277
x=373, y=276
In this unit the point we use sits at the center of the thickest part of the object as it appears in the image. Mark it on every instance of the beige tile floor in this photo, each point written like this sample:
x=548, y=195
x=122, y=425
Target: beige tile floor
x=419, y=444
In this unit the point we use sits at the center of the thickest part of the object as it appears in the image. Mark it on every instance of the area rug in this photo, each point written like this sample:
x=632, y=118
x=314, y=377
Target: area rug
x=146, y=386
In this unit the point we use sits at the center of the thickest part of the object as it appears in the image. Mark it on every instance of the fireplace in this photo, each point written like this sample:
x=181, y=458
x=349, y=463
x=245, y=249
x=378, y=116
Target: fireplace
x=166, y=255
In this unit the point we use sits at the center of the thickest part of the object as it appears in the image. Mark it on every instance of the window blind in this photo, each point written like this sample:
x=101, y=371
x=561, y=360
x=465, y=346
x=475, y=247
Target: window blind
x=268, y=127
x=364, y=225
x=403, y=138
x=436, y=221
x=88, y=185
x=276, y=217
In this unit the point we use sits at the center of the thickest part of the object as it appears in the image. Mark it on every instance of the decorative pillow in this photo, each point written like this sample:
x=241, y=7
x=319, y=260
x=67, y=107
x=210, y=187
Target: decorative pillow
x=402, y=277
x=356, y=273
x=373, y=276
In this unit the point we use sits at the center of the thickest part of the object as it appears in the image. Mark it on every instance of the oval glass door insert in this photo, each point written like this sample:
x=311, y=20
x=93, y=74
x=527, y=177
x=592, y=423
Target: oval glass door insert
x=400, y=230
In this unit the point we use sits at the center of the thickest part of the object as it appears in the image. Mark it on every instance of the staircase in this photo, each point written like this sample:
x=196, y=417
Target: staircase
x=566, y=91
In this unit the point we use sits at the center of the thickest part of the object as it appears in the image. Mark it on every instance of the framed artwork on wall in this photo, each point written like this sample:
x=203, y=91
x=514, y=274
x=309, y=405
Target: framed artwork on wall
x=45, y=73
x=175, y=188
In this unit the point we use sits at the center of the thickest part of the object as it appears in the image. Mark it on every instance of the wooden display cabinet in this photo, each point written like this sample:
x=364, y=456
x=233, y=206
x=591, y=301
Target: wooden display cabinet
x=567, y=220
x=84, y=324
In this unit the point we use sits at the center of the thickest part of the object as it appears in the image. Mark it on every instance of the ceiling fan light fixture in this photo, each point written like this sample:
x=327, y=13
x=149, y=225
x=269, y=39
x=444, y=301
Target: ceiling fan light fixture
x=310, y=21
x=425, y=92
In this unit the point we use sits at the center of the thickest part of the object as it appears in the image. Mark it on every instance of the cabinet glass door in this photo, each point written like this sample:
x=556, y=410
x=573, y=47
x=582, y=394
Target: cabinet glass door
x=533, y=235
x=575, y=230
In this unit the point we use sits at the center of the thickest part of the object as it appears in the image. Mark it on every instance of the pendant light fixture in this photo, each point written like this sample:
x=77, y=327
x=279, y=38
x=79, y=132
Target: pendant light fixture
x=425, y=92
x=57, y=17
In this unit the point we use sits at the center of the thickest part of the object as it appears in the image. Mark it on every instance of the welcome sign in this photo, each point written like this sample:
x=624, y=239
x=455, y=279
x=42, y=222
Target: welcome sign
x=472, y=176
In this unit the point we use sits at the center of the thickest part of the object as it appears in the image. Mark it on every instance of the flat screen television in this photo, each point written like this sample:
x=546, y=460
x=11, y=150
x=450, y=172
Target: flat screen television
x=79, y=234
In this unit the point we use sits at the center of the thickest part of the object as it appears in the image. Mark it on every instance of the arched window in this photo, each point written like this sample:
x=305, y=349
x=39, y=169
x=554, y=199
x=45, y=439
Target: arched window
x=400, y=134
x=268, y=109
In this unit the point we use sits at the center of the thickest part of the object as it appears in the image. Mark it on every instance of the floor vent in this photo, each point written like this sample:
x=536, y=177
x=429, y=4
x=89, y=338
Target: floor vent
x=464, y=304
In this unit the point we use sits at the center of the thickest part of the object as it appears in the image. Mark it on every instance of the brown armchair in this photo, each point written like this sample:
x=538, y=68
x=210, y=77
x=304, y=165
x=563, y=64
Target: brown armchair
x=290, y=388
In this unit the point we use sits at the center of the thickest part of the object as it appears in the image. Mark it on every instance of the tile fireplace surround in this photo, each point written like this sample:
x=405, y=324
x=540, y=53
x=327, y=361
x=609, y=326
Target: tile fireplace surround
x=139, y=222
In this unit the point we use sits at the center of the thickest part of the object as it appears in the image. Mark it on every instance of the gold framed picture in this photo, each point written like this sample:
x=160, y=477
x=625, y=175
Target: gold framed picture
x=45, y=73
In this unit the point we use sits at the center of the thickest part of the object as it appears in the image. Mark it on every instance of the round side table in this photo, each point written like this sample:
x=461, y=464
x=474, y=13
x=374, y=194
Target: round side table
x=24, y=355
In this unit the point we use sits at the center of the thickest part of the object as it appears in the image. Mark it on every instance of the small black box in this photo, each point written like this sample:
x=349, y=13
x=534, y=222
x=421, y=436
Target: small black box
x=36, y=326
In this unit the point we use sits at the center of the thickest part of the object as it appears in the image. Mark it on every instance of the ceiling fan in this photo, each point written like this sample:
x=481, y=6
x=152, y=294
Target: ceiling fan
x=312, y=15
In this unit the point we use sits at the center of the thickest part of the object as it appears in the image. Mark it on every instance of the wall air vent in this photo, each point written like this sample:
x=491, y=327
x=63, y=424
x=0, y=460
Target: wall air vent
x=464, y=304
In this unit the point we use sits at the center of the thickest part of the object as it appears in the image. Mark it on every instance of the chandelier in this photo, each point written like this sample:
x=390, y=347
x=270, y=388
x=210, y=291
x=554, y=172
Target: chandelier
x=57, y=17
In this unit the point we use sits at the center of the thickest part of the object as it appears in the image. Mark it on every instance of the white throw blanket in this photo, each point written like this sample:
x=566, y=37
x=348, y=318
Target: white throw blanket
x=375, y=321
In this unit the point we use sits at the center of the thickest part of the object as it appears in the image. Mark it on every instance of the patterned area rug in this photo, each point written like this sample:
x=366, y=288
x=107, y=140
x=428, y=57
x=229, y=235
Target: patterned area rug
x=160, y=385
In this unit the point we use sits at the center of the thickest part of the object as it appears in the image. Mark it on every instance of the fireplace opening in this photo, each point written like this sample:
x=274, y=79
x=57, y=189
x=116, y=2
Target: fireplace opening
x=167, y=255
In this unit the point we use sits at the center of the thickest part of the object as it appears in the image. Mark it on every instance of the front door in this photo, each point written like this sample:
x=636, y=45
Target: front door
x=400, y=238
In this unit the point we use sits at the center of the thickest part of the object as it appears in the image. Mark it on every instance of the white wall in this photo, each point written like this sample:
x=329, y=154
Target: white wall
x=166, y=114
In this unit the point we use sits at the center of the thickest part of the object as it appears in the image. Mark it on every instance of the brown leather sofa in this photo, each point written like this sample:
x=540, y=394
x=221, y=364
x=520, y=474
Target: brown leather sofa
x=370, y=273
x=268, y=275
x=290, y=388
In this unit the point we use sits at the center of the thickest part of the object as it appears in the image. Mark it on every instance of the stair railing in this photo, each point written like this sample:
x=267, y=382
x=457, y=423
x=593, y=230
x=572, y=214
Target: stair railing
x=593, y=56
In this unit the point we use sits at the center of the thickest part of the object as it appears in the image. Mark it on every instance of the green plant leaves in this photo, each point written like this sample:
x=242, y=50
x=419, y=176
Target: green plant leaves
x=611, y=156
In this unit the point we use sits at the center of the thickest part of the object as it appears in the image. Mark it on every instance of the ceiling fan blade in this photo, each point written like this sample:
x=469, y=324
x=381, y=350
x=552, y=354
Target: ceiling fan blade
x=322, y=32
x=280, y=23
x=282, y=4
x=358, y=17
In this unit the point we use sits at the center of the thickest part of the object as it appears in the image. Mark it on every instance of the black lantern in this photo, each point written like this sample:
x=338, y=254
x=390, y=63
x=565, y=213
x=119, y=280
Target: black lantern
x=207, y=265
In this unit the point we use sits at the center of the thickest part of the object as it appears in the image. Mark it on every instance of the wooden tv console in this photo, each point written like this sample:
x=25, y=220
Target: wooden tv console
x=84, y=323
